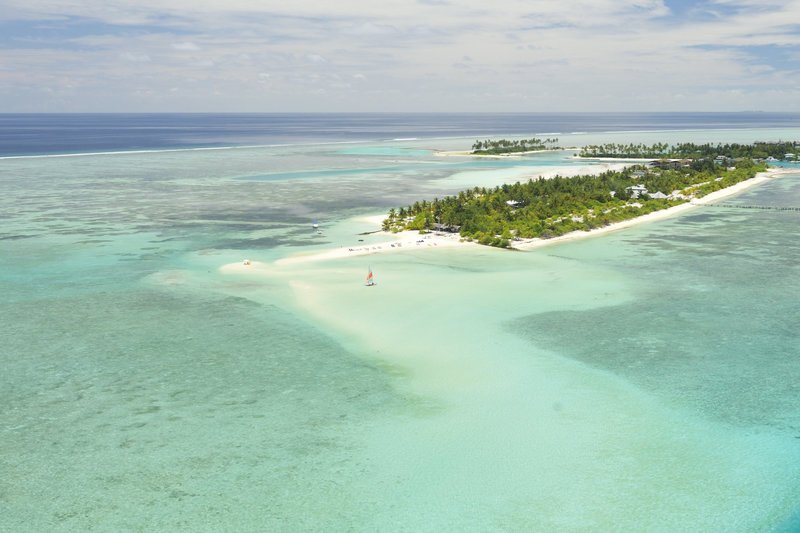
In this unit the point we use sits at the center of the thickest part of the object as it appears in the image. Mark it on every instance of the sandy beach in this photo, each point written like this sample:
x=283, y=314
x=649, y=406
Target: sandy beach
x=406, y=240
x=413, y=240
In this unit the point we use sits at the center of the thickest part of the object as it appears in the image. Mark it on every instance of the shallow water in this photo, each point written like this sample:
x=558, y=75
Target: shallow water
x=642, y=380
x=524, y=436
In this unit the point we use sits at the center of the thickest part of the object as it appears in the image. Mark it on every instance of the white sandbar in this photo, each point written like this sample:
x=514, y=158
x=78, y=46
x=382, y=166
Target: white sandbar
x=406, y=240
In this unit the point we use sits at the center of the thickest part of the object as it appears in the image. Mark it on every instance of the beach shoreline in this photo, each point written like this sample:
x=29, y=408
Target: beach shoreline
x=404, y=240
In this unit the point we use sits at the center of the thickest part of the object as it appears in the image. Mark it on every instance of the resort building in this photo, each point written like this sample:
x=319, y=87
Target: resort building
x=636, y=190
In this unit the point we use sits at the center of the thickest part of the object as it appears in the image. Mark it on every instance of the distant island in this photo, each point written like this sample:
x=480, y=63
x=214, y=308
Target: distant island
x=546, y=208
x=504, y=146
x=766, y=151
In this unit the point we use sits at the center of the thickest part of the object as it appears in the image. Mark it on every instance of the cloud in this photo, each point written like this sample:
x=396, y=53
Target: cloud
x=371, y=28
x=186, y=47
x=559, y=54
x=202, y=63
x=316, y=58
x=135, y=58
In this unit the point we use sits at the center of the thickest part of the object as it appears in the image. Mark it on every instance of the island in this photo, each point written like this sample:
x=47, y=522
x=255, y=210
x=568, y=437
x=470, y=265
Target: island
x=547, y=208
x=759, y=151
x=505, y=146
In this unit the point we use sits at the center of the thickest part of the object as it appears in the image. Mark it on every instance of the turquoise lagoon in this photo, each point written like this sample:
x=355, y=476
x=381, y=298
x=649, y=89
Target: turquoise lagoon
x=645, y=380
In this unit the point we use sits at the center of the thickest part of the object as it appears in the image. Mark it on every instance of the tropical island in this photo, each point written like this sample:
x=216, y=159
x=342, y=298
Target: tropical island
x=504, y=146
x=546, y=208
x=767, y=151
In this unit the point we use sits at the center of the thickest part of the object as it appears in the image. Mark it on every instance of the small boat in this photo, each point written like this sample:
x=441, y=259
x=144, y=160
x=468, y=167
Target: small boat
x=315, y=225
x=370, y=278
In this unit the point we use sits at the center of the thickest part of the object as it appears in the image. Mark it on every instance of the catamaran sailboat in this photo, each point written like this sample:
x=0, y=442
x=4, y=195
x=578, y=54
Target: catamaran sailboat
x=370, y=278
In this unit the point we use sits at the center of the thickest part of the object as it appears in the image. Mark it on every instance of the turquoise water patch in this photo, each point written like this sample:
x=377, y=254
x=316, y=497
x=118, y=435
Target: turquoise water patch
x=385, y=151
x=520, y=420
x=311, y=174
x=422, y=165
x=143, y=406
x=701, y=299
x=582, y=386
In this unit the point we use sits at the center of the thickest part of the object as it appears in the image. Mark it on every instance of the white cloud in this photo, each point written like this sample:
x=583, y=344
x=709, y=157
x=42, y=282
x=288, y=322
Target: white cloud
x=550, y=54
x=371, y=28
x=186, y=47
x=202, y=63
x=135, y=58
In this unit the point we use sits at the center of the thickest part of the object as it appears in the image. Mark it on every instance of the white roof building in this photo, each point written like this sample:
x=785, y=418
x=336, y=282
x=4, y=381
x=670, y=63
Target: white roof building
x=636, y=190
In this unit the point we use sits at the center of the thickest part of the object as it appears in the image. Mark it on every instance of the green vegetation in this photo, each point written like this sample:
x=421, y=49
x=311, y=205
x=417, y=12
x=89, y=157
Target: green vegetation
x=503, y=146
x=547, y=208
x=689, y=150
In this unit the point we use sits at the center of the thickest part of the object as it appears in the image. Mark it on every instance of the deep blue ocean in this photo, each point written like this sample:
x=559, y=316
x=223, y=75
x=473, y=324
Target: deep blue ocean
x=34, y=134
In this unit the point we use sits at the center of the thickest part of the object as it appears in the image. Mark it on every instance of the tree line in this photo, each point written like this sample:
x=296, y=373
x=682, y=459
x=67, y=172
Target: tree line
x=689, y=150
x=505, y=146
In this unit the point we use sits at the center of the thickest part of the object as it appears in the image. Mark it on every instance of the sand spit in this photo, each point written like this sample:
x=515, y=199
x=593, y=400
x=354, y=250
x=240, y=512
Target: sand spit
x=406, y=240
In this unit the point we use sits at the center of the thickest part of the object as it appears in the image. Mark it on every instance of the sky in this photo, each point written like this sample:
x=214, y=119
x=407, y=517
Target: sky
x=399, y=55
